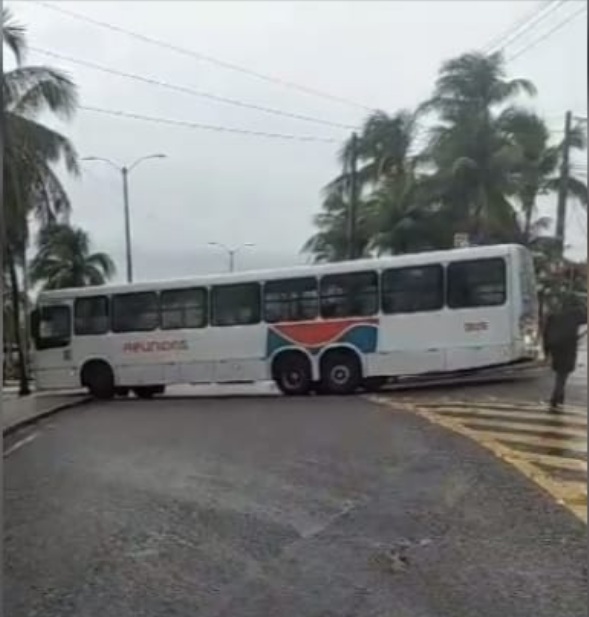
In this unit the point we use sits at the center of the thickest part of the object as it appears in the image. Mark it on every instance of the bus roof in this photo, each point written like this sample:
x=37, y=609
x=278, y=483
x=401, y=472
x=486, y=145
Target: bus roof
x=408, y=259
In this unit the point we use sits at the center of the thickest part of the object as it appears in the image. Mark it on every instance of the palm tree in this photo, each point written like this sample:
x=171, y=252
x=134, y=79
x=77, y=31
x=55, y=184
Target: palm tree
x=386, y=168
x=474, y=159
x=31, y=185
x=331, y=242
x=536, y=170
x=63, y=259
x=382, y=149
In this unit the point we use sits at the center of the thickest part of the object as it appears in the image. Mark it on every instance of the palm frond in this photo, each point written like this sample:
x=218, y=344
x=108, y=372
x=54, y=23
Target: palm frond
x=31, y=90
x=103, y=263
x=13, y=35
x=37, y=142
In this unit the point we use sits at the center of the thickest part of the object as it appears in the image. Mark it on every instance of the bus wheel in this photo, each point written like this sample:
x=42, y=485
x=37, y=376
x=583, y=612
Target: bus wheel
x=99, y=379
x=341, y=372
x=292, y=374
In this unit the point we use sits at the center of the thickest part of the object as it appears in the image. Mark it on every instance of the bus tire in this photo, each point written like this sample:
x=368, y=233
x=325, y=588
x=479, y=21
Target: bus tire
x=98, y=377
x=341, y=372
x=292, y=373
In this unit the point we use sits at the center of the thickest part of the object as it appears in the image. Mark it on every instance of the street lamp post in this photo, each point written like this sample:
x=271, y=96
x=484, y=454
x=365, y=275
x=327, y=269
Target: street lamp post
x=125, y=171
x=231, y=251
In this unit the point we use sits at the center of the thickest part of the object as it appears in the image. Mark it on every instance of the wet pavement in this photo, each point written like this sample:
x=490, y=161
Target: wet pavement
x=511, y=419
x=311, y=507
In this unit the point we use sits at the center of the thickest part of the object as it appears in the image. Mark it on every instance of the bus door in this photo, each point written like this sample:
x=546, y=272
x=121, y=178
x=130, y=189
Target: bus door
x=51, y=327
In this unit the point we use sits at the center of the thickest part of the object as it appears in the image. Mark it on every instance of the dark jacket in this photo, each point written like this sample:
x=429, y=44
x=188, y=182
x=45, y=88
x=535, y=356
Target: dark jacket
x=561, y=338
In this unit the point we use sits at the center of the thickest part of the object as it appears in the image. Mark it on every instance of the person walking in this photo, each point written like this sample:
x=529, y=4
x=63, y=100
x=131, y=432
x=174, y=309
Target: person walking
x=561, y=340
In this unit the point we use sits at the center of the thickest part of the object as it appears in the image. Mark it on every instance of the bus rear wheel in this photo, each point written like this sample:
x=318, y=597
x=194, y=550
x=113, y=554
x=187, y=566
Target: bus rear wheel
x=341, y=372
x=292, y=374
x=99, y=379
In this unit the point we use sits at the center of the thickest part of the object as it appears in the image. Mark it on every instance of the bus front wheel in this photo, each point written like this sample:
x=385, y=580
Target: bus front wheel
x=99, y=379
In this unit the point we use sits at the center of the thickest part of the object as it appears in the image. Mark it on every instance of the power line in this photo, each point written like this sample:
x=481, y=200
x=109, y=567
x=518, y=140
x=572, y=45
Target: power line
x=190, y=91
x=522, y=26
x=207, y=127
x=547, y=34
x=204, y=57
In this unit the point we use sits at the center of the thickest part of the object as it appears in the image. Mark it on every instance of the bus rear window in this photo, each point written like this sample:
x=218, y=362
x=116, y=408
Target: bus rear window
x=91, y=316
x=477, y=283
x=135, y=312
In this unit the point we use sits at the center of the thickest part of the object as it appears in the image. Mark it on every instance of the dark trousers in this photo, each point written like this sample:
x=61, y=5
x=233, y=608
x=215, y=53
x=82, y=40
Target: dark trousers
x=560, y=381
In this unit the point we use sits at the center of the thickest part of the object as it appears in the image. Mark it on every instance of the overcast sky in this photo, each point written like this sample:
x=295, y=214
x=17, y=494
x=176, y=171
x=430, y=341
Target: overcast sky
x=244, y=189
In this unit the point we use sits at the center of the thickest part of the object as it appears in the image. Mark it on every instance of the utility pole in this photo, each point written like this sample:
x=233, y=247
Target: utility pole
x=353, y=207
x=564, y=180
x=125, y=170
x=125, y=173
x=231, y=252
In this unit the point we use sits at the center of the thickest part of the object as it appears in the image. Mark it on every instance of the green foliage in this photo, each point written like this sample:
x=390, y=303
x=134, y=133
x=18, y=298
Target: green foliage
x=63, y=259
x=31, y=186
x=480, y=170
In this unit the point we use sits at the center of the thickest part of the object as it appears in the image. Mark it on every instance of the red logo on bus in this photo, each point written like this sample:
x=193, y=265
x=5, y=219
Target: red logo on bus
x=154, y=346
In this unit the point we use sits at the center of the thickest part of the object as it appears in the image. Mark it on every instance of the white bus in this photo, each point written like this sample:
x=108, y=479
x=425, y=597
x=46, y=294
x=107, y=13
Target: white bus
x=329, y=328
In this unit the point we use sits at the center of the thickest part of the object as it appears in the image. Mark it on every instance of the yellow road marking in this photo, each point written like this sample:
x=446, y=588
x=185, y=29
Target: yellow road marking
x=572, y=495
x=564, y=431
x=515, y=406
x=565, y=444
x=549, y=460
x=465, y=413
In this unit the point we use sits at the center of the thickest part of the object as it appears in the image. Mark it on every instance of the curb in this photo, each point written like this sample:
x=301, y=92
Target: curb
x=15, y=426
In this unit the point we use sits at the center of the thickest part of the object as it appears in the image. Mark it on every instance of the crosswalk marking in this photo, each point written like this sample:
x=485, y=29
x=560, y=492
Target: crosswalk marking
x=558, y=462
x=519, y=427
x=550, y=449
x=547, y=442
x=540, y=408
x=528, y=419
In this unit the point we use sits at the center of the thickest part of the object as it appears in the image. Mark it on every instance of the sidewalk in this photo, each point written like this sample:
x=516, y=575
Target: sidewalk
x=19, y=411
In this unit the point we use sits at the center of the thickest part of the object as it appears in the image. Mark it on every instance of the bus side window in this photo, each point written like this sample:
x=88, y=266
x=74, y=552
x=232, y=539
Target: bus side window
x=349, y=295
x=183, y=308
x=413, y=289
x=135, y=312
x=291, y=300
x=52, y=327
x=235, y=305
x=479, y=283
x=91, y=316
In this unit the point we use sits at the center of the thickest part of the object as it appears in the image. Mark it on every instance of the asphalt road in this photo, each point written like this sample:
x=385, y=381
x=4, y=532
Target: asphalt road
x=316, y=507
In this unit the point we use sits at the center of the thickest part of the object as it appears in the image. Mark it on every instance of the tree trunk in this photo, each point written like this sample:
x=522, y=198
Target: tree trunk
x=24, y=389
x=528, y=208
